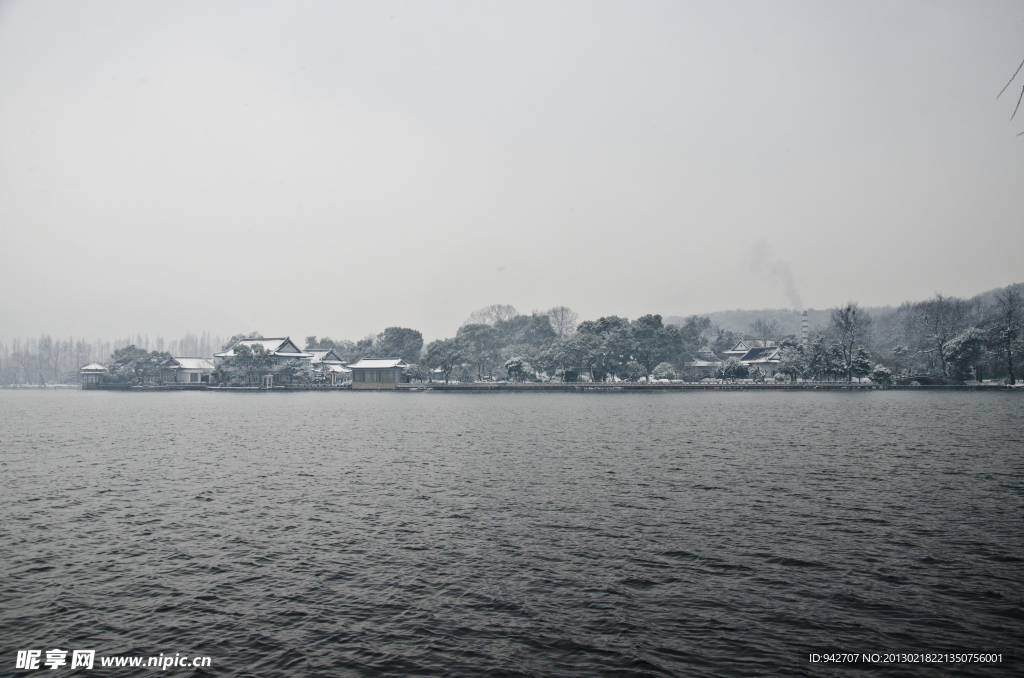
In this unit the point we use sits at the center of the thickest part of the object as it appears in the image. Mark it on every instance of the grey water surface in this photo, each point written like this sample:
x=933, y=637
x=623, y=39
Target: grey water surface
x=375, y=534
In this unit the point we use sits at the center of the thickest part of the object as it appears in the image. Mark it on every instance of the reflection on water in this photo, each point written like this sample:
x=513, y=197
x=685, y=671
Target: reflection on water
x=514, y=534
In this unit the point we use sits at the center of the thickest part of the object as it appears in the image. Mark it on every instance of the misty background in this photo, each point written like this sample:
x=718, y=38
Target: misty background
x=192, y=169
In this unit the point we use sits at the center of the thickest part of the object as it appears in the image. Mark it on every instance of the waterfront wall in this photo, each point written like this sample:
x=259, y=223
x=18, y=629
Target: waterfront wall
x=555, y=388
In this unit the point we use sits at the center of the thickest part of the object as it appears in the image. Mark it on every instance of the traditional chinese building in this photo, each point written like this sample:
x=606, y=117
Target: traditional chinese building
x=280, y=350
x=744, y=346
x=334, y=374
x=762, y=358
x=182, y=370
x=321, y=356
x=704, y=364
x=93, y=373
x=378, y=373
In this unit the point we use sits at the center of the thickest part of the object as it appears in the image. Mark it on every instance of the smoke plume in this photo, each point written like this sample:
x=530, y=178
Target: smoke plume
x=766, y=265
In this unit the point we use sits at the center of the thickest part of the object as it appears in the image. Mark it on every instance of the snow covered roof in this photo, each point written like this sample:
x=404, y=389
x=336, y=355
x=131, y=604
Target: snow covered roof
x=324, y=356
x=761, y=354
x=330, y=367
x=182, y=363
x=279, y=346
x=379, y=363
x=93, y=367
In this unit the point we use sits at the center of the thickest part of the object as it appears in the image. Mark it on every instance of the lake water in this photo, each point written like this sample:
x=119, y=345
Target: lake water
x=636, y=534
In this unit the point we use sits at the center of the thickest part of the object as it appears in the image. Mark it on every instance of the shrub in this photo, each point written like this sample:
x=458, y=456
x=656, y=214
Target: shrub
x=664, y=371
x=634, y=371
x=881, y=376
x=733, y=369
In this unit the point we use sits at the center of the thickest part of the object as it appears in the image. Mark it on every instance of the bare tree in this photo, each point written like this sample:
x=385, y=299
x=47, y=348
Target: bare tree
x=850, y=327
x=942, y=319
x=563, y=320
x=49, y=357
x=492, y=314
x=698, y=330
x=765, y=330
x=23, y=359
x=1019, y=98
x=1009, y=327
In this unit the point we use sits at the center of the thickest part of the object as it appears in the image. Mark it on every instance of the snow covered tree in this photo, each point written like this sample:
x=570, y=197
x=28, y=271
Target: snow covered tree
x=297, y=371
x=733, y=369
x=445, y=354
x=881, y=375
x=398, y=342
x=862, y=365
x=941, y=320
x=650, y=342
x=136, y=365
x=481, y=346
x=849, y=326
x=417, y=372
x=634, y=371
x=965, y=354
x=517, y=368
x=1007, y=329
x=791, y=362
x=248, y=362
x=664, y=371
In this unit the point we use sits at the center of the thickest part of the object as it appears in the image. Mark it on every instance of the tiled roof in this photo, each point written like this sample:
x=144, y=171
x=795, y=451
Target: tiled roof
x=379, y=363
x=761, y=354
x=191, y=363
x=321, y=355
x=272, y=346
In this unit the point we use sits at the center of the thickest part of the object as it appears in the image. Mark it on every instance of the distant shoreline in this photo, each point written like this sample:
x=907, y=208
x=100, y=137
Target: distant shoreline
x=552, y=388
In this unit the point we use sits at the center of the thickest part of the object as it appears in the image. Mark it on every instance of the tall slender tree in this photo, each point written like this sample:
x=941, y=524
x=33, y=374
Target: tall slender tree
x=850, y=327
x=1008, y=329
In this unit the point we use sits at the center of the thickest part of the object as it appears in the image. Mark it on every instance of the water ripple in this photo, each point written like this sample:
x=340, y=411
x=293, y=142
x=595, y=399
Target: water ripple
x=683, y=534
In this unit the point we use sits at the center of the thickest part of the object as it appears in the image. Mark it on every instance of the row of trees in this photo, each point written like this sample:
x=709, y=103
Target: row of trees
x=47, y=360
x=958, y=339
x=249, y=363
x=393, y=342
x=53, y=360
x=499, y=343
x=945, y=337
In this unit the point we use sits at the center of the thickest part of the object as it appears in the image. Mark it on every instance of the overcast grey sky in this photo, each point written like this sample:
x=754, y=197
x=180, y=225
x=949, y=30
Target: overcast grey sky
x=336, y=168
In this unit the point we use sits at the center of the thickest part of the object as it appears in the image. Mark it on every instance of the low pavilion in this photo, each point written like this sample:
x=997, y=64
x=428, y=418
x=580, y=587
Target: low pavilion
x=378, y=373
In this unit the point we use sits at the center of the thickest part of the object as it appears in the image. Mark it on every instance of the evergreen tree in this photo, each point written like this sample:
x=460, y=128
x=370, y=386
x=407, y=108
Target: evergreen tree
x=861, y=366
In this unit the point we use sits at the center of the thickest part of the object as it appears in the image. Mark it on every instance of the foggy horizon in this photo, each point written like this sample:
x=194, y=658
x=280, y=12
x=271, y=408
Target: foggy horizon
x=217, y=339
x=338, y=169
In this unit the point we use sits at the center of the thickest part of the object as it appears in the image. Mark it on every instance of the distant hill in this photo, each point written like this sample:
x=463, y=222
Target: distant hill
x=739, y=320
x=989, y=298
